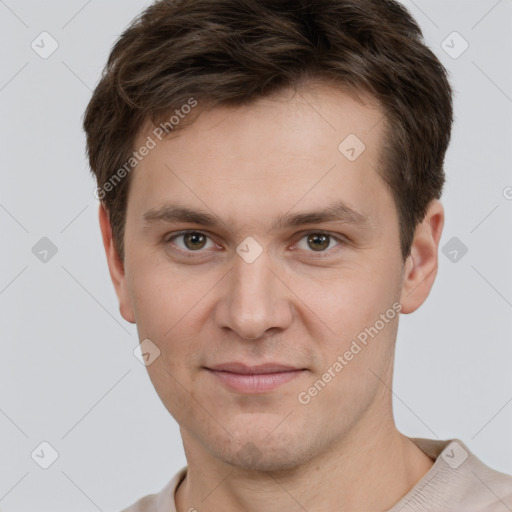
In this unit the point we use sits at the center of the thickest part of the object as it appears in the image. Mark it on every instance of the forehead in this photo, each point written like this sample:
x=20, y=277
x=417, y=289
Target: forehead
x=315, y=108
x=314, y=145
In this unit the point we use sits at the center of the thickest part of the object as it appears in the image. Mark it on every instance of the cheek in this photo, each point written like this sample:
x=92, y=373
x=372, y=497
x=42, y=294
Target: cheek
x=163, y=297
x=177, y=393
x=350, y=306
x=165, y=303
x=348, y=301
x=166, y=308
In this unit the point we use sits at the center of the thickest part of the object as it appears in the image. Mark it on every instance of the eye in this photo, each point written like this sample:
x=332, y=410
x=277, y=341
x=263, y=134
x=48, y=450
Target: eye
x=318, y=241
x=193, y=241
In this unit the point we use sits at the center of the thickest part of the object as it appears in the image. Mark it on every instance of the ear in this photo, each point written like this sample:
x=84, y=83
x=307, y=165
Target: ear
x=116, y=267
x=420, y=267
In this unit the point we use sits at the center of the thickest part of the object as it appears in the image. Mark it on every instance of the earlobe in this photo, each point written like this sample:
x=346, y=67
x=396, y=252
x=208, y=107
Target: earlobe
x=115, y=266
x=421, y=265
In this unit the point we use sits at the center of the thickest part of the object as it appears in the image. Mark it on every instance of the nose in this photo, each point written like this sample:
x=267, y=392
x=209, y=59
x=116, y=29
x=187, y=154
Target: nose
x=254, y=299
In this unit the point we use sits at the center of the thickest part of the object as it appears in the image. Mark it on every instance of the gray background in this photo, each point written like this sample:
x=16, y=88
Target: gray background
x=68, y=375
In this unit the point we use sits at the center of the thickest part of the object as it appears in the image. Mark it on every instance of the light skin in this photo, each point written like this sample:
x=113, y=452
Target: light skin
x=293, y=304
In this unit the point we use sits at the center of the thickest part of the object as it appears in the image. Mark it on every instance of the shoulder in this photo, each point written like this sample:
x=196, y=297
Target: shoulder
x=459, y=480
x=488, y=489
x=161, y=502
x=146, y=504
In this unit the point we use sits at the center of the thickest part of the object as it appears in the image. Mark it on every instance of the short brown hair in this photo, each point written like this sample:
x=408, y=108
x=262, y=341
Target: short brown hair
x=232, y=52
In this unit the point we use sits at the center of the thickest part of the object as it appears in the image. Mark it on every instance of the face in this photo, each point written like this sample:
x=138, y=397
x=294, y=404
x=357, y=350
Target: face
x=276, y=308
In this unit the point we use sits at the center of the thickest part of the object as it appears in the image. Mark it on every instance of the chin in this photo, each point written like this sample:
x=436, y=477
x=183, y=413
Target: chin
x=267, y=452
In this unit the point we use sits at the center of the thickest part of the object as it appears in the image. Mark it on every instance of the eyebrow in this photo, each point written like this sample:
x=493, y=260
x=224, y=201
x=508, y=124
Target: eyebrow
x=338, y=211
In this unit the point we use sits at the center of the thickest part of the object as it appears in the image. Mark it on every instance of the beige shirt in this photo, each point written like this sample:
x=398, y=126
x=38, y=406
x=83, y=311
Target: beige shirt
x=457, y=482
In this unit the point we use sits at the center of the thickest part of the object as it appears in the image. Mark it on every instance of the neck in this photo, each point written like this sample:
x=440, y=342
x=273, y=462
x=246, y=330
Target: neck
x=371, y=469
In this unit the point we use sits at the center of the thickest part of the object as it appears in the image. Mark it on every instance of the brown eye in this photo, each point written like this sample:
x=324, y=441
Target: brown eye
x=324, y=244
x=190, y=242
x=318, y=241
x=194, y=240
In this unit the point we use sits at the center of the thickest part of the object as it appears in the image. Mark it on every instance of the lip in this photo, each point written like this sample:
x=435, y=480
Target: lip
x=254, y=379
x=244, y=369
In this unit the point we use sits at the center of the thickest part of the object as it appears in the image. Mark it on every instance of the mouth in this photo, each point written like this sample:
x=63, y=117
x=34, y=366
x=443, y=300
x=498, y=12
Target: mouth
x=254, y=379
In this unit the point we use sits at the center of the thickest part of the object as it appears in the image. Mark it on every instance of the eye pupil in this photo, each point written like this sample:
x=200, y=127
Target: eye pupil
x=315, y=237
x=197, y=239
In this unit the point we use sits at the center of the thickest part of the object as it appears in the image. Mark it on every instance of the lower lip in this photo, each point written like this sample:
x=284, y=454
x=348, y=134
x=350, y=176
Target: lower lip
x=255, y=383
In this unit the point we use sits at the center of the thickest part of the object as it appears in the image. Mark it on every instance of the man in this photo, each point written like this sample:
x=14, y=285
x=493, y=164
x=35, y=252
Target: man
x=269, y=175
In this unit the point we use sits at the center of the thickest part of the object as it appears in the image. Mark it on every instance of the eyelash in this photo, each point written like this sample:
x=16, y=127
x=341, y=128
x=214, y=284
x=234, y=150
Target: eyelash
x=320, y=254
